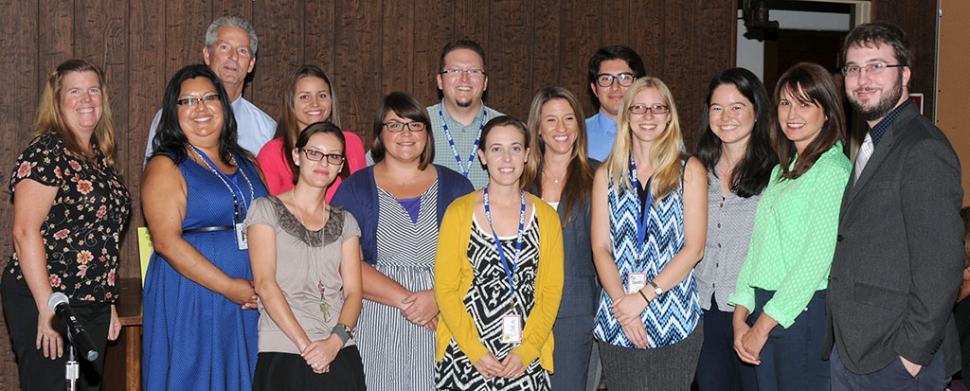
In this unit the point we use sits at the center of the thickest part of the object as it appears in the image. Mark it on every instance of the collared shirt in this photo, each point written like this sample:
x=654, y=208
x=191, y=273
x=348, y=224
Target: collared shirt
x=880, y=129
x=464, y=137
x=730, y=221
x=600, y=130
x=793, y=241
x=255, y=128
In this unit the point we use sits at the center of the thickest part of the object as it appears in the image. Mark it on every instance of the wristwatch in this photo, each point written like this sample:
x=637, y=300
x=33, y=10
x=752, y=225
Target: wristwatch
x=343, y=331
x=656, y=288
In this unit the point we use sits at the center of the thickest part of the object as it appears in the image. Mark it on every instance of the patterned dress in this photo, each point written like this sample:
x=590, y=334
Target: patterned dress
x=488, y=301
x=672, y=316
x=405, y=254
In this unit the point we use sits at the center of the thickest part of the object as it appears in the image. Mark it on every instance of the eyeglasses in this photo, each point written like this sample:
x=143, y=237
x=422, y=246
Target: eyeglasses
x=458, y=72
x=872, y=69
x=606, y=80
x=398, y=126
x=333, y=158
x=192, y=102
x=655, y=109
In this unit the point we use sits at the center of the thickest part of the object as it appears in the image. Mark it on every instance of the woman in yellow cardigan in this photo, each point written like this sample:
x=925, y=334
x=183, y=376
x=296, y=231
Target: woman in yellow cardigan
x=498, y=303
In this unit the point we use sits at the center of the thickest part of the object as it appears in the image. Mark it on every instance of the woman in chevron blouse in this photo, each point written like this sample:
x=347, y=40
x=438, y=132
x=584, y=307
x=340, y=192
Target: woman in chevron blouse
x=498, y=276
x=649, y=223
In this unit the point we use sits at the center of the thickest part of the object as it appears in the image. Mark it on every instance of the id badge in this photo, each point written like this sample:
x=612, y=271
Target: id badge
x=512, y=329
x=636, y=282
x=241, y=241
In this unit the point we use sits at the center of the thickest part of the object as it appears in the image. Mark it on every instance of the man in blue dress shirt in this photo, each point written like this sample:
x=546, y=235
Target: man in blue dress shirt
x=611, y=72
x=230, y=51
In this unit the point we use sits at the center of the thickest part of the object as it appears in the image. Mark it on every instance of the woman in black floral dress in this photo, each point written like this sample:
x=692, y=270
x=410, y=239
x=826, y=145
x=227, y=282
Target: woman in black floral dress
x=70, y=208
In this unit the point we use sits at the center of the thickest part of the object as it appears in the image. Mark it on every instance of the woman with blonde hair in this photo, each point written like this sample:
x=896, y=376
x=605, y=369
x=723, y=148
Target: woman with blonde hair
x=649, y=222
x=70, y=208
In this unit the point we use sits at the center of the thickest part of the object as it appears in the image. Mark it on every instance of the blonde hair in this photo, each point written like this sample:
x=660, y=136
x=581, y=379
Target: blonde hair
x=49, y=118
x=665, y=153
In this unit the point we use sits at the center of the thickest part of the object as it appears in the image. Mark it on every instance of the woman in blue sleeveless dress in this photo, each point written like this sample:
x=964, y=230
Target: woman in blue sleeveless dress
x=649, y=223
x=199, y=303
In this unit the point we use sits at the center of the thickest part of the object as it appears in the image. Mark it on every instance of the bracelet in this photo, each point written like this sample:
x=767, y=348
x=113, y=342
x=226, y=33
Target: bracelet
x=643, y=296
x=343, y=331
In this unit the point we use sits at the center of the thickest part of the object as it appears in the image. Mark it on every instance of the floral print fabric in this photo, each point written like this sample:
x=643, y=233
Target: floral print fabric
x=84, y=225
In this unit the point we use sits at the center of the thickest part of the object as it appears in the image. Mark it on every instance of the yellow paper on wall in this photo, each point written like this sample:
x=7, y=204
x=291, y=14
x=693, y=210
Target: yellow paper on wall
x=145, y=249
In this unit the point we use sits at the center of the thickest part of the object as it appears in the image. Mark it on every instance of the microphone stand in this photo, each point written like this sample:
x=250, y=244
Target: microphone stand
x=71, y=368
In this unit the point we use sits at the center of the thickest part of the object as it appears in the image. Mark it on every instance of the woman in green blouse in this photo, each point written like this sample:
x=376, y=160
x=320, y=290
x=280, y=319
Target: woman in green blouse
x=779, y=298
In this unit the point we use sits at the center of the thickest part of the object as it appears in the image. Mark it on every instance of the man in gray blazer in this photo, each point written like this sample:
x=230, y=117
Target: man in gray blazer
x=899, y=252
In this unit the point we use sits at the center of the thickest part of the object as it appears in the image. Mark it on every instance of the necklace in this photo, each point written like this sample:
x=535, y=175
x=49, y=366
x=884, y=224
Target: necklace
x=555, y=178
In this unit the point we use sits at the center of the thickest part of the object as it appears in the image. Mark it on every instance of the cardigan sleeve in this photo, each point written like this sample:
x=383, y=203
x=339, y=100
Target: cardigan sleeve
x=358, y=196
x=548, y=290
x=453, y=277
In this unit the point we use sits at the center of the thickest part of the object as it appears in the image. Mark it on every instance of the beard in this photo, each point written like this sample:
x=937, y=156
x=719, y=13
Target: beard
x=885, y=105
x=464, y=103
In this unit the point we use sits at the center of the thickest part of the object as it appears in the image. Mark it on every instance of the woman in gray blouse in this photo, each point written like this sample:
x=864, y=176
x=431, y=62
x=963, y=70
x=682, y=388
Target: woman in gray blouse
x=305, y=255
x=735, y=148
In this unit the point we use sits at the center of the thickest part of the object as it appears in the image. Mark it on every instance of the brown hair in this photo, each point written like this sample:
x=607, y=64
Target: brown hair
x=287, y=127
x=405, y=106
x=809, y=83
x=578, y=183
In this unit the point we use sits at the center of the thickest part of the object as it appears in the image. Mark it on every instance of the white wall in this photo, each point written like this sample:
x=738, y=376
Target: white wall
x=751, y=52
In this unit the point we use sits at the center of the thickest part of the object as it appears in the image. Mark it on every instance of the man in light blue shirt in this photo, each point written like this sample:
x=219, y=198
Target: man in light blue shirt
x=458, y=120
x=611, y=72
x=230, y=51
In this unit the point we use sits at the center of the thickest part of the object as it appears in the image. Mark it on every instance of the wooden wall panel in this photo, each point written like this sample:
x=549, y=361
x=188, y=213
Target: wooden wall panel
x=56, y=40
x=20, y=76
x=580, y=39
x=397, y=48
x=430, y=36
x=545, y=48
x=358, y=66
x=280, y=33
x=510, y=50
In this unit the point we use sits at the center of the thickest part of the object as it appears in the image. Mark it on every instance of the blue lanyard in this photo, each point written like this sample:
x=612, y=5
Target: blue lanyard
x=643, y=215
x=233, y=188
x=509, y=269
x=451, y=141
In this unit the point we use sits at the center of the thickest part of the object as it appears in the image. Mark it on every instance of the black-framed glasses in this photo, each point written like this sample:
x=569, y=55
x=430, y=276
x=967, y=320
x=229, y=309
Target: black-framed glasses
x=398, y=126
x=643, y=109
x=332, y=158
x=872, y=69
x=192, y=102
x=458, y=72
x=605, y=79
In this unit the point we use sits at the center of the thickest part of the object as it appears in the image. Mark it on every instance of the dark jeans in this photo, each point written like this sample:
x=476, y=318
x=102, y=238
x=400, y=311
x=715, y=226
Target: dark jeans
x=891, y=377
x=719, y=367
x=792, y=357
x=36, y=371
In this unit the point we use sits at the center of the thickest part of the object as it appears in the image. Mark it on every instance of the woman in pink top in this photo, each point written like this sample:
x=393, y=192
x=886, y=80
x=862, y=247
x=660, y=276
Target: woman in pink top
x=308, y=98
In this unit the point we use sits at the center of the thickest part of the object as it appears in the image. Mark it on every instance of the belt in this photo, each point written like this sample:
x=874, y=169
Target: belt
x=208, y=229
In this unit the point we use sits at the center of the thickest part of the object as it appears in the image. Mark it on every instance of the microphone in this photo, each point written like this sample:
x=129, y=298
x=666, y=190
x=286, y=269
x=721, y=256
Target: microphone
x=58, y=304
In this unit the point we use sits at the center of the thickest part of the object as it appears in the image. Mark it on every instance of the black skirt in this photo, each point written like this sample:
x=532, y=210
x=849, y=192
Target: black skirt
x=287, y=371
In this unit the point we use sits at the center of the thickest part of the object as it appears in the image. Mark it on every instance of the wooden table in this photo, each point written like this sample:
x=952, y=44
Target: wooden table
x=130, y=315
